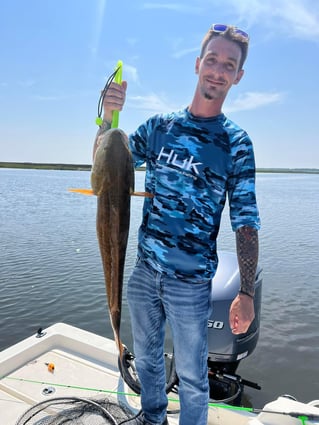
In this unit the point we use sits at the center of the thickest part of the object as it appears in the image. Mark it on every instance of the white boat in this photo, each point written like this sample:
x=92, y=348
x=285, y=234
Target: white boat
x=64, y=362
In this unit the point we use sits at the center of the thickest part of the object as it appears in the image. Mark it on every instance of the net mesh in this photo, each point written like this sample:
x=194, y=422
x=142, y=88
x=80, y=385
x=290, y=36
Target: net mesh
x=75, y=411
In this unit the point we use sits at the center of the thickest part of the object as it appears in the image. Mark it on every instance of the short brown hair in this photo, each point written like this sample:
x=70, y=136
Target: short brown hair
x=231, y=35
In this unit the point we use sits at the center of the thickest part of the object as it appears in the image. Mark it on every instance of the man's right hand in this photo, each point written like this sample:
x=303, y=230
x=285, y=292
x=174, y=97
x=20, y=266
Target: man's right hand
x=114, y=99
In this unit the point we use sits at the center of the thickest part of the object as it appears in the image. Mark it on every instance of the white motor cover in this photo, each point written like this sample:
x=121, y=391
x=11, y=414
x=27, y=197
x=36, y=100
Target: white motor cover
x=286, y=405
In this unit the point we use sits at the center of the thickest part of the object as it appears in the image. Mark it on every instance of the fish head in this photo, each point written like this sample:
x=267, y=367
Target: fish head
x=110, y=155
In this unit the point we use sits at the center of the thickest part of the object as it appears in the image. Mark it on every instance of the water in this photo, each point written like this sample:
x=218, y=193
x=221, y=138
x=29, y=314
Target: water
x=50, y=270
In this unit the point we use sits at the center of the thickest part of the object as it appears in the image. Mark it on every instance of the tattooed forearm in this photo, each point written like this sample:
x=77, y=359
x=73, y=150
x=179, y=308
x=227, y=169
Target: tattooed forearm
x=247, y=253
x=104, y=127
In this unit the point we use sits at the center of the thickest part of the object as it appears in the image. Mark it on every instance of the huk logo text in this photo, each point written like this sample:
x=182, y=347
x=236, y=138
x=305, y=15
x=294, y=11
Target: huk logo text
x=185, y=164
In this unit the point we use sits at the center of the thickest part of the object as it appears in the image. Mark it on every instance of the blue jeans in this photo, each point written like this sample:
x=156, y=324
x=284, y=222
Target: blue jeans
x=154, y=297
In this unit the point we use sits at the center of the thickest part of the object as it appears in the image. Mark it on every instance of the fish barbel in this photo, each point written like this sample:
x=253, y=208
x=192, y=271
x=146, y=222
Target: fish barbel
x=112, y=181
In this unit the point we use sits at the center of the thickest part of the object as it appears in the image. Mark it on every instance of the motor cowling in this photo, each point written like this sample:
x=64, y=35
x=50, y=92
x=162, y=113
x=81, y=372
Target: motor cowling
x=226, y=350
x=223, y=345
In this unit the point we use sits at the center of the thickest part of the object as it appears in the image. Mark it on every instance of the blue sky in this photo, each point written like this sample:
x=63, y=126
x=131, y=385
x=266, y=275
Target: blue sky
x=57, y=54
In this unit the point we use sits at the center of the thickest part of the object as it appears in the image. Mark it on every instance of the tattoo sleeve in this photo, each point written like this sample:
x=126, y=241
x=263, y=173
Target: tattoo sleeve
x=247, y=253
x=105, y=126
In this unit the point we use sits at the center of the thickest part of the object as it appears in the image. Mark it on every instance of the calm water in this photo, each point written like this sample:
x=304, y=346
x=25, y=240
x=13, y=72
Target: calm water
x=50, y=270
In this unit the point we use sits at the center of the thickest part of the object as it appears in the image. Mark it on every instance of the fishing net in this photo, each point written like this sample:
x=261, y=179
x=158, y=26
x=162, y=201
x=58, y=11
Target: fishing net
x=75, y=411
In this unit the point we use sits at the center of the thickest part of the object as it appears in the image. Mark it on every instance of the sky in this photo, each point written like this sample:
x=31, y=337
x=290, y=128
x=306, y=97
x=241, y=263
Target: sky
x=56, y=56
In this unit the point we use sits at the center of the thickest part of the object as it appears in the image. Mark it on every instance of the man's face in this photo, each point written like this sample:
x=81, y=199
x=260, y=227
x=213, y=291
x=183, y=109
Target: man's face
x=218, y=69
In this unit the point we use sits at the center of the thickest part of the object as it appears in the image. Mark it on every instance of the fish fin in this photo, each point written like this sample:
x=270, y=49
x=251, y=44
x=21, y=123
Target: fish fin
x=145, y=194
x=82, y=191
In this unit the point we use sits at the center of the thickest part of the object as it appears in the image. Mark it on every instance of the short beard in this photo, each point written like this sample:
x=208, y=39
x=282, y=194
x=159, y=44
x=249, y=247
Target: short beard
x=208, y=96
x=211, y=94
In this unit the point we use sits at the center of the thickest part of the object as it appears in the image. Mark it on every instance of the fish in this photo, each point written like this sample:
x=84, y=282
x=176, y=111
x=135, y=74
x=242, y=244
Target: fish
x=112, y=181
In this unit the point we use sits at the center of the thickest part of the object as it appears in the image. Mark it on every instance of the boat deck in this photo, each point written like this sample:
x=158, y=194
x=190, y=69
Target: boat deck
x=85, y=366
x=72, y=376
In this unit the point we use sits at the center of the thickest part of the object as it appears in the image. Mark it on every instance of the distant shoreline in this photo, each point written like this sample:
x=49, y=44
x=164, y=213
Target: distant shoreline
x=87, y=167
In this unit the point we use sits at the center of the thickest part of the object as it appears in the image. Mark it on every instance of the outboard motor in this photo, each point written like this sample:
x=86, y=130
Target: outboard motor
x=226, y=350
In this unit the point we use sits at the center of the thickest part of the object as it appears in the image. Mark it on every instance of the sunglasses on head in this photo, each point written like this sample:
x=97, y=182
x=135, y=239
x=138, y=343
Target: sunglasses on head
x=223, y=28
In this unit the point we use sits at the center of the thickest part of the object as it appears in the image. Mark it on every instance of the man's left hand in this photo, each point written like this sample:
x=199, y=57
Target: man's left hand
x=241, y=314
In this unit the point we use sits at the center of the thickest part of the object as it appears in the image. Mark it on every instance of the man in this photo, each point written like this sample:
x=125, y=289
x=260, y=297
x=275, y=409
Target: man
x=194, y=158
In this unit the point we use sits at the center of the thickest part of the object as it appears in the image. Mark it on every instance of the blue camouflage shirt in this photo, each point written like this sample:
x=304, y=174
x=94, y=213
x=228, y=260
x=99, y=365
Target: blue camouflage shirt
x=191, y=165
